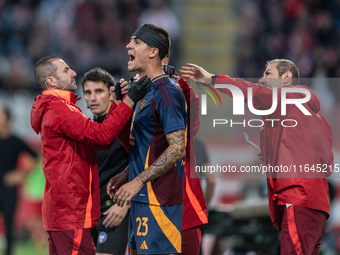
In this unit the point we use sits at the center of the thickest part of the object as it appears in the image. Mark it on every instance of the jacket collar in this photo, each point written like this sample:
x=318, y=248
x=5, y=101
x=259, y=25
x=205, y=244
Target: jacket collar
x=67, y=95
x=99, y=119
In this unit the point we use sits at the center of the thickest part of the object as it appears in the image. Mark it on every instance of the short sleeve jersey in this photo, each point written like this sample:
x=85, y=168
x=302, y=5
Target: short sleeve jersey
x=161, y=111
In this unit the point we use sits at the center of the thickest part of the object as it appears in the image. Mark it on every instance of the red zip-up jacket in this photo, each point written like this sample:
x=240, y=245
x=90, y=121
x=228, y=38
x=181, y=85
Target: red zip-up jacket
x=309, y=142
x=69, y=140
x=194, y=207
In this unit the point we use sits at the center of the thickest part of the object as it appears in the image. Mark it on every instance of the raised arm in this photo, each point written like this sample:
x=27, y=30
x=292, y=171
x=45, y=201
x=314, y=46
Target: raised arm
x=197, y=74
x=73, y=124
x=261, y=95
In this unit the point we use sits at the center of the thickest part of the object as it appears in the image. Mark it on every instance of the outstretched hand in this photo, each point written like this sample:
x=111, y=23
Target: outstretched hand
x=196, y=73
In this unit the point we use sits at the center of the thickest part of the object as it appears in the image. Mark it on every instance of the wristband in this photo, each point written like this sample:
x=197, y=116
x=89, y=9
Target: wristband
x=213, y=79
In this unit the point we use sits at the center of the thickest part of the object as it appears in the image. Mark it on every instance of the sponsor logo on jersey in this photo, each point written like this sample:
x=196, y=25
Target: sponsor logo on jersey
x=143, y=246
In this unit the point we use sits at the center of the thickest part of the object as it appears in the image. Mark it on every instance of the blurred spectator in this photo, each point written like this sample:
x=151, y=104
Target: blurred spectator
x=11, y=175
x=31, y=200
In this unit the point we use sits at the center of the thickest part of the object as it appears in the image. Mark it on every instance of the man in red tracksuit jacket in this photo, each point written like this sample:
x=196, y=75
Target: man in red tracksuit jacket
x=71, y=200
x=299, y=206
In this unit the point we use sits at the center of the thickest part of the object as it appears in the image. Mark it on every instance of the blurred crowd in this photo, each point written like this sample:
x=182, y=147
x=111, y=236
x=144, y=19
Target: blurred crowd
x=304, y=31
x=86, y=33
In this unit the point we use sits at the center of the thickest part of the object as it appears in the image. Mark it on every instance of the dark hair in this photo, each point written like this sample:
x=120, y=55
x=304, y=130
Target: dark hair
x=168, y=55
x=284, y=65
x=98, y=74
x=161, y=32
x=44, y=68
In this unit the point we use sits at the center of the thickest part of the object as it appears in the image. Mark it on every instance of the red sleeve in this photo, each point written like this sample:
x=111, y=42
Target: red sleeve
x=67, y=120
x=262, y=95
x=193, y=103
x=124, y=136
x=107, y=146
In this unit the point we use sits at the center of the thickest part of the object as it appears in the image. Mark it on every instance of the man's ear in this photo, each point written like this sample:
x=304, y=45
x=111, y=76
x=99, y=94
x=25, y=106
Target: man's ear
x=51, y=81
x=153, y=52
x=287, y=77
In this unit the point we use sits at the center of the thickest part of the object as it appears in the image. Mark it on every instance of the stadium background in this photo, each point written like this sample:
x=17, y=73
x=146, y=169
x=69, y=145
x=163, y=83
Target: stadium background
x=233, y=37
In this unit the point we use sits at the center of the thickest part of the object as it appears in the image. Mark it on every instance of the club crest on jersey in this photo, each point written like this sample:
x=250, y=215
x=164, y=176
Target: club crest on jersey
x=102, y=237
x=142, y=103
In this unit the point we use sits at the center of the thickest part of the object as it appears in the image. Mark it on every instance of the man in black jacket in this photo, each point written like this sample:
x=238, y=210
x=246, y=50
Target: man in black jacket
x=111, y=234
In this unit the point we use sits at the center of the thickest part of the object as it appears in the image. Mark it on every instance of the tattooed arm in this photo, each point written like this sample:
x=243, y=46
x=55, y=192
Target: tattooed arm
x=164, y=163
x=168, y=159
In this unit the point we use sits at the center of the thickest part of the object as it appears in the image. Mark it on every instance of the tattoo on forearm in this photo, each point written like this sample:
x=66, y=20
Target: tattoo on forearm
x=161, y=160
x=168, y=159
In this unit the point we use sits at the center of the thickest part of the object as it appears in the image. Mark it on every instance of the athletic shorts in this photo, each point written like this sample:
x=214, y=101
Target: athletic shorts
x=155, y=229
x=113, y=240
x=301, y=230
x=71, y=242
x=191, y=241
